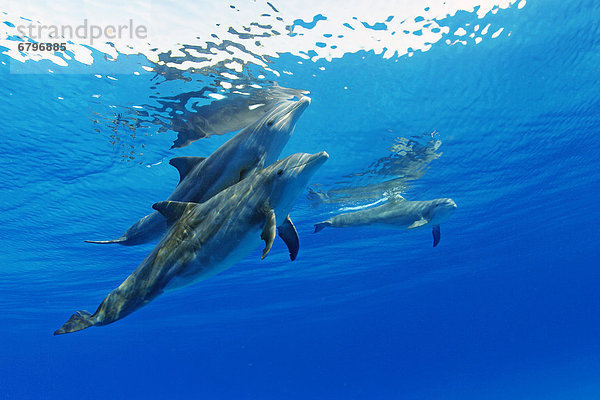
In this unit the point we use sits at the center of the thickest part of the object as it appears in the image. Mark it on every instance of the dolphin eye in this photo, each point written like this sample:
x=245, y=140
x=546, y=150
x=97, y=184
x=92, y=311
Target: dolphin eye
x=279, y=172
x=271, y=122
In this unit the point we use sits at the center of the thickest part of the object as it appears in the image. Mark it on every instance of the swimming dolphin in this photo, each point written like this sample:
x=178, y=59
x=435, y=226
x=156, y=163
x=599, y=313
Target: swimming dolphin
x=205, y=239
x=397, y=213
x=201, y=178
x=230, y=114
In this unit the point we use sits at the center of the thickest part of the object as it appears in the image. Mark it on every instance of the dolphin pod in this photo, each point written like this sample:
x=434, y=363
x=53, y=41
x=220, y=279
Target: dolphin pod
x=207, y=238
x=256, y=146
x=226, y=203
x=397, y=213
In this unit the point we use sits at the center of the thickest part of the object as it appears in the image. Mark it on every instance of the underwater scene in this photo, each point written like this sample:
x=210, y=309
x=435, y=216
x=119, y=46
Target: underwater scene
x=252, y=199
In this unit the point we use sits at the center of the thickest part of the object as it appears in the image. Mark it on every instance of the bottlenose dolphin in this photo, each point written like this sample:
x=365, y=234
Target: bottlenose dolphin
x=201, y=178
x=238, y=110
x=205, y=239
x=397, y=213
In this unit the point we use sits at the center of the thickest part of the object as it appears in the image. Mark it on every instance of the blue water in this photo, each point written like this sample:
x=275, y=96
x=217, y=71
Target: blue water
x=506, y=307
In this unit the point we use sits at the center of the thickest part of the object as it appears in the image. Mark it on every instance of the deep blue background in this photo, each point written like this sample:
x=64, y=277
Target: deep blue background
x=505, y=307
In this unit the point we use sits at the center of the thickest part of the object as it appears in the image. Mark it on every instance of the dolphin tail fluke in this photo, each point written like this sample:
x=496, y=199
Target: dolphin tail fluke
x=78, y=321
x=120, y=240
x=321, y=225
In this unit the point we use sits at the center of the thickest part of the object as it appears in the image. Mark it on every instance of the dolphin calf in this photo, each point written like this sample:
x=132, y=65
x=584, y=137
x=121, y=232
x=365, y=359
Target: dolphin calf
x=205, y=239
x=397, y=213
x=201, y=178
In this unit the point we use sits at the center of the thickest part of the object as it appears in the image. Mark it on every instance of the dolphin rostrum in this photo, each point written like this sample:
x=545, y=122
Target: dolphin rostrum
x=397, y=213
x=205, y=239
x=256, y=146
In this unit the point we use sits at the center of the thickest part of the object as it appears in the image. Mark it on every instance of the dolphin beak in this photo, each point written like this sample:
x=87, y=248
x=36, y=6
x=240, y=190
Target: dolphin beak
x=318, y=159
x=297, y=109
x=302, y=103
x=310, y=164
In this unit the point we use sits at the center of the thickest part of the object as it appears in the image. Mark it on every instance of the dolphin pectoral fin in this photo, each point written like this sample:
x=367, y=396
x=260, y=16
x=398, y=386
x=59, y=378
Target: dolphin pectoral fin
x=173, y=210
x=185, y=164
x=436, y=235
x=244, y=173
x=268, y=233
x=287, y=232
x=418, y=223
x=78, y=321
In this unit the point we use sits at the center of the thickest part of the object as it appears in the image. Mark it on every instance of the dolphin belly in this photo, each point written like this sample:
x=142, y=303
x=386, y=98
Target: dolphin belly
x=209, y=261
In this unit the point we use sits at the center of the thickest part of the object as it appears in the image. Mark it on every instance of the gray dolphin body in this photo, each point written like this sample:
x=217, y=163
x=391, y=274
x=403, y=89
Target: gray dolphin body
x=256, y=146
x=205, y=239
x=397, y=213
x=231, y=114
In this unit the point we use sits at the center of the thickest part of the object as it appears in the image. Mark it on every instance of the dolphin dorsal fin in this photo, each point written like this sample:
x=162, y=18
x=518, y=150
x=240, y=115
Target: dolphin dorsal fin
x=173, y=210
x=185, y=164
